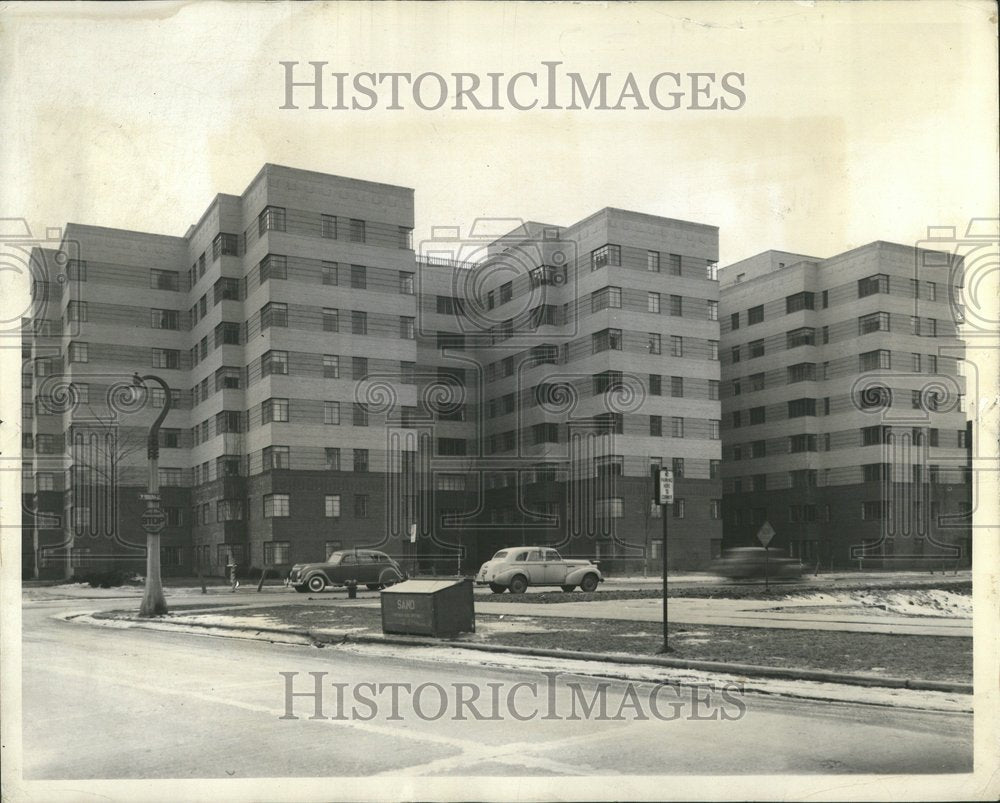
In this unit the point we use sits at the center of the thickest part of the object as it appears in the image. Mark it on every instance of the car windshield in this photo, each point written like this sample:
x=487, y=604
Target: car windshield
x=501, y=554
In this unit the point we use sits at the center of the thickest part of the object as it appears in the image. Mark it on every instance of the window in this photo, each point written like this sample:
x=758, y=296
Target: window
x=404, y=238
x=277, y=552
x=357, y=231
x=273, y=266
x=273, y=314
x=227, y=334
x=873, y=511
x=507, y=293
x=676, y=427
x=801, y=407
x=332, y=458
x=276, y=506
x=654, y=343
x=606, y=340
x=734, y=321
x=713, y=429
x=915, y=364
x=826, y=335
x=224, y=289
x=166, y=358
x=331, y=319
x=331, y=505
x=406, y=283
x=873, y=436
x=715, y=511
x=713, y=310
x=274, y=410
x=331, y=366
x=713, y=469
x=454, y=447
x=805, y=336
x=359, y=414
x=931, y=291
x=655, y=385
x=879, y=283
x=675, y=264
x=653, y=302
x=874, y=396
x=170, y=438
x=736, y=354
x=163, y=279
x=678, y=509
x=407, y=372
x=875, y=322
x=407, y=329
x=331, y=273
x=676, y=346
x=757, y=381
x=932, y=363
x=799, y=301
x=653, y=261
x=677, y=306
x=275, y=457
x=801, y=443
x=331, y=412
x=545, y=433
x=361, y=460
x=359, y=322
x=826, y=299
x=656, y=426
x=737, y=419
x=755, y=315
x=76, y=270
x=77, y=311
x=359, y=367
x=757, y=415
x=491, y=299
x=79, y=352
x=606, y=381
x=756, y=348
x=328, y=226
x=604, y=256
x=359, y=277
x=759, y=482
x=274, y=362
x=875, y=360
x=934, y=438
x=801, y=372
x=604, y=298
x=271, y=219
x=677, y=465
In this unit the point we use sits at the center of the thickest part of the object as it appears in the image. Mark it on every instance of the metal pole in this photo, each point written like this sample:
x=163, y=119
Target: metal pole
x=663, y=515
x=767, y=551
x=153, y=601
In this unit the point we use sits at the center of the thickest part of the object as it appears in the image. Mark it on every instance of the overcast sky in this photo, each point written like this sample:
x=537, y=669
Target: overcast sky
x=861, y=121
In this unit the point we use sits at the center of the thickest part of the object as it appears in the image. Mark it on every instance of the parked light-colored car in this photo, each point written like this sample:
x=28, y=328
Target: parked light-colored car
x=518, y=567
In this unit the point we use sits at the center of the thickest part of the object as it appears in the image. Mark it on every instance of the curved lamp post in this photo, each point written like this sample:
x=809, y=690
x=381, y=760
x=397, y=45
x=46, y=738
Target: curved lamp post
x=153, y=601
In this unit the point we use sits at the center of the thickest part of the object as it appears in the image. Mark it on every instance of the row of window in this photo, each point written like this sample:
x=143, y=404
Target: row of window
x=611, y=298
x=869, y=436
x=610, y=255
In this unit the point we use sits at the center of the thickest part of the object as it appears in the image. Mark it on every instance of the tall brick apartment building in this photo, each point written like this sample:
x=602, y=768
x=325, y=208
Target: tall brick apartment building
x=330, y=390
x=842, y=411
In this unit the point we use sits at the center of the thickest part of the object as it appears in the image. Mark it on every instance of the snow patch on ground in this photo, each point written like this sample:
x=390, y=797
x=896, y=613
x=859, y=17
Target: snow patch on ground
x=930, y=602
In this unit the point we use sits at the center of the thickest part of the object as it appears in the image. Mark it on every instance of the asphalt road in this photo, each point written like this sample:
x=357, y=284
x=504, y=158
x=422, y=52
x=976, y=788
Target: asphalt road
x=108, y=703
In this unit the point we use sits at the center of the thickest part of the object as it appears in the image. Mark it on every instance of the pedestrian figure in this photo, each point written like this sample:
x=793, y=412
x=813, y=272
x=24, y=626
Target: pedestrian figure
x=231, y=567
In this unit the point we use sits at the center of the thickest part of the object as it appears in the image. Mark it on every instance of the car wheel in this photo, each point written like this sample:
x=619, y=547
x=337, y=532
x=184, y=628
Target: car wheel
x=373, y=586
x=589, y=583
x=568, y=588
x=497, y=589
x=518, y=584
x=316, y=583
x=389, y=577
x=300, y=589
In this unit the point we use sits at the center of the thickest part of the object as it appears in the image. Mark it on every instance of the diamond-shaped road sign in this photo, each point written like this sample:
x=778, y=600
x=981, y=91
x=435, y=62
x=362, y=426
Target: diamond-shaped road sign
x=765, y=534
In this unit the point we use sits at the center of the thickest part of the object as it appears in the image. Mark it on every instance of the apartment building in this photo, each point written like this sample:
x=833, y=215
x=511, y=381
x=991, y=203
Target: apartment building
x=330, y=390
x=843, y=419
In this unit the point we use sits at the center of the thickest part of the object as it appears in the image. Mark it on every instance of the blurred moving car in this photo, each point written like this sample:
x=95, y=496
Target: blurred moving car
x=517, y=568
x=743, y=562
x=366, y=567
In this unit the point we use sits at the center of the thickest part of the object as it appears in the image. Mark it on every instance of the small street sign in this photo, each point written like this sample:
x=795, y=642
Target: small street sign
x=154, y=520
x=413, y=533
x=765, y=534
x=665, y=487
x=147, y=497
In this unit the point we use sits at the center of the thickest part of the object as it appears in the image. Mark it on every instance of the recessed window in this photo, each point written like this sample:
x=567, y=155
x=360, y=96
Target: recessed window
x=277, y=506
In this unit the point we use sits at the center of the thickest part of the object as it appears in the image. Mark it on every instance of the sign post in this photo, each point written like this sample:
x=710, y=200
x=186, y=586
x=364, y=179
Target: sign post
x=663, y=487
x=764, y=535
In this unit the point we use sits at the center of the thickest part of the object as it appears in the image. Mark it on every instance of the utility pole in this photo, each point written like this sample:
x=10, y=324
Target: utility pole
x=153, y=520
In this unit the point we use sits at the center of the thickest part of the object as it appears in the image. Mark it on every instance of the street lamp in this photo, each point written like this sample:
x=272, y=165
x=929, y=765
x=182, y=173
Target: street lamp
x=153, y=520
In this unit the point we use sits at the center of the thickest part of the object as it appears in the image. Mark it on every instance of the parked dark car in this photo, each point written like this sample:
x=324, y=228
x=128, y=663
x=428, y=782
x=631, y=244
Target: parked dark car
x=365, y=567
x=746, y=562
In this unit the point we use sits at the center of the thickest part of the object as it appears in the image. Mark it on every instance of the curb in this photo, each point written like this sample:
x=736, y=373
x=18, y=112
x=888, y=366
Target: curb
x=742, y=670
